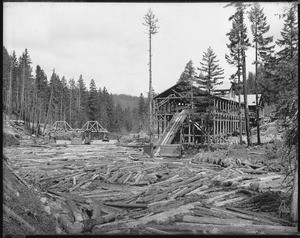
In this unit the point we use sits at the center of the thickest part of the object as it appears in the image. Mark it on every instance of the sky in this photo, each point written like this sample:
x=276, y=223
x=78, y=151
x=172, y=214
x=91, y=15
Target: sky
x=107, y=42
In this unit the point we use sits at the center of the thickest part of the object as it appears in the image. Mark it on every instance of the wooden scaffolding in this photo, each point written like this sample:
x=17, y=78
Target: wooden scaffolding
x=190, y=129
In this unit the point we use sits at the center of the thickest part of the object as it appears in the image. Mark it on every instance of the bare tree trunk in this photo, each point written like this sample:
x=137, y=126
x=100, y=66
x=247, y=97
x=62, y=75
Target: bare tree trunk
x=239, y=98
x=17, y=95
x=49, y=110
x=34, y=107
x=150, y=100
x=22, y=94
x=38, y=117
x=256, y=90
x=61, y=111
x=209, y=115
x=70, y=106
x=245, y=94
x=9, y=93
x=150, y=22
x=294, y=204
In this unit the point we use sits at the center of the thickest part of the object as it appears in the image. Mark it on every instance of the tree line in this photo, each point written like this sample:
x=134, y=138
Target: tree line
x=35, y=99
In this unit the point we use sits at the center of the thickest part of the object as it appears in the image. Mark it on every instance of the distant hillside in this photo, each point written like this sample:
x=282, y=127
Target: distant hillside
x=126, y=101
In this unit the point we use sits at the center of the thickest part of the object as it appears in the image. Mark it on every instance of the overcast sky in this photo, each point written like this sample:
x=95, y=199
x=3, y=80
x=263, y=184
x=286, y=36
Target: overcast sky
x=107, y=41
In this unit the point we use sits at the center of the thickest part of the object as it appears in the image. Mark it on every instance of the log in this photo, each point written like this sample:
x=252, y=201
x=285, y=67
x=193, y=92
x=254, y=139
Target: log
x=165, y=217
x=258, y=215
x=21, y=179
x=100, y=229
x=126, y=205
x=68, y=225
x=261, y=168
x=157, y=231
x=232, y=200
x=210, y=200
x=177, y=193
x=78, y=185
x=128, y=177
x=168, y=180
x=109, y=217
x=245, y=216
x=237, y=179
x=56, y=194
x=96, y=212
x=253, y=171
x=115, y=177
x=13, y=215
x=234, y=229
x=215, y=220
x=204, y=212
x=141, y=183
x=139, y=177
x=109, y=209
x=253, y=166
x=76, y=212
x=123, y=178
x=187, y=190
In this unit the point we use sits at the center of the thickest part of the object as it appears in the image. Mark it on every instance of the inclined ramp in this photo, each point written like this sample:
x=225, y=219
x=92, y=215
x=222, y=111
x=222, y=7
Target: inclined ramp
x=171, y=130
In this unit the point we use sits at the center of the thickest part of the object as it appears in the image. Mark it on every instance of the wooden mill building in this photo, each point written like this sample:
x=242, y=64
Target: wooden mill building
x=180, y=110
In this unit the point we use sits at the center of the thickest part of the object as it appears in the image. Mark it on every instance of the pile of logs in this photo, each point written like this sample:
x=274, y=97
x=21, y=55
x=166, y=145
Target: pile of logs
x=111, y=189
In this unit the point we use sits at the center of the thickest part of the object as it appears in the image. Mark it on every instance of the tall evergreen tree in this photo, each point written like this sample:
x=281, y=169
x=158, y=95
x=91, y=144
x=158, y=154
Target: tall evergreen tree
x=212, y=73
x=128, y=119
x=289, y=34
x=235, y=58
x=262, y=49
x=72, y=87
x=82, y=101
x=142, y=110
x=240, y=31
x=7, y=81
x=15, y=83
x=41, y=86
x=110, y=108
x=119, y=118
x=64, y=99
x=92, y=101
x=251, y=83
x=188, y=72
x=285, y=80
x=25, y=75
x=104, y=106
